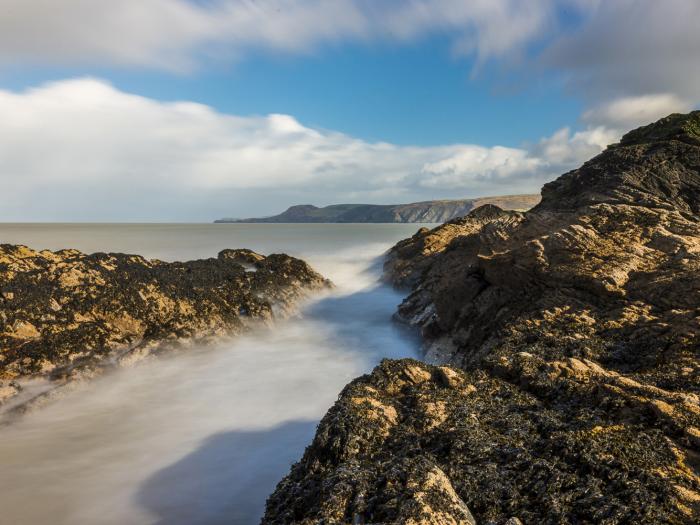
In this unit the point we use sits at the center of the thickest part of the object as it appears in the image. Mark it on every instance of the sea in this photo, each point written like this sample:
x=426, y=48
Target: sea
x=202, y=437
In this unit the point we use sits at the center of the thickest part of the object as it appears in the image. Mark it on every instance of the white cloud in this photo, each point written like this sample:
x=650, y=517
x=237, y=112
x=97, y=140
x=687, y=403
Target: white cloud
x=564, y=149
x=486, y=28
x=82, y=150
x=177, y=34
x=476, y=163
x=631, y=112
x=511, y=167
x=126, y=32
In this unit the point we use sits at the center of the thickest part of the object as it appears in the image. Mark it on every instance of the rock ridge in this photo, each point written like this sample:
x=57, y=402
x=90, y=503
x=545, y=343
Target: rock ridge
x=68, y=315
x=567, y=340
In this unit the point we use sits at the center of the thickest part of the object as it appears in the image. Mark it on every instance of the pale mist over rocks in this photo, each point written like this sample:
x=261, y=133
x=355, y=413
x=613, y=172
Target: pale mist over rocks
x=454, y=275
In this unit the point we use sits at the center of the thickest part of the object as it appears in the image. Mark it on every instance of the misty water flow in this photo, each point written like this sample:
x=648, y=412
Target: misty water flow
x=203, y=437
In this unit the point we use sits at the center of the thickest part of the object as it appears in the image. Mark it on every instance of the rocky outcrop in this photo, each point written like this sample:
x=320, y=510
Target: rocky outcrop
x=428, y=211
x=67, y=315
x=413, y=443
x=569, y=339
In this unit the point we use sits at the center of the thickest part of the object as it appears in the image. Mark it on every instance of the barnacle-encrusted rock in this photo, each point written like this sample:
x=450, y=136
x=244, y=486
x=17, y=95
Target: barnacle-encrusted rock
x=572, y=335
x=67, y=314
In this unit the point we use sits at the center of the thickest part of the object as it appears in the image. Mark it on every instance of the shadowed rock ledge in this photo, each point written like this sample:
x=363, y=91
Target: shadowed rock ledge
x=569, y=343
x=67, y=315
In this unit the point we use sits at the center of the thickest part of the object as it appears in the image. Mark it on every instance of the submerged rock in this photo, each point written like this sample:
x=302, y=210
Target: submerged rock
x=572, y=335
x=67, y=315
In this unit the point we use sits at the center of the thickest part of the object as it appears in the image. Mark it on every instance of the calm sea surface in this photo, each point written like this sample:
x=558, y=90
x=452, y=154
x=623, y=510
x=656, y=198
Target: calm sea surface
x=202, y=438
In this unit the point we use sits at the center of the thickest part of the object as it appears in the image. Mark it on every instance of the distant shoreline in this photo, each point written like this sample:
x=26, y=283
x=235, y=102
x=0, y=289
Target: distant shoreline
x=427, y=212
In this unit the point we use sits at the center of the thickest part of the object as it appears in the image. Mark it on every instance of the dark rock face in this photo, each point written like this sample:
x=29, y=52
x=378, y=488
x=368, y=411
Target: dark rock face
x=67, y=314
x=412, y=443
x=655, y=166
x=572, y=335
x=428, y=212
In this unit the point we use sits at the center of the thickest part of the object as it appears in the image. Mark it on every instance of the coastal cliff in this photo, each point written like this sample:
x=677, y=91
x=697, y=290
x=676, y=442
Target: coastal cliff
x=565, y=349
x=428, y=211
x=67, y=315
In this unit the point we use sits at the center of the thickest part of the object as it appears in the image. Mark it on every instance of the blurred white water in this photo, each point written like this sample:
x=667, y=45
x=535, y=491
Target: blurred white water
x=202, y=438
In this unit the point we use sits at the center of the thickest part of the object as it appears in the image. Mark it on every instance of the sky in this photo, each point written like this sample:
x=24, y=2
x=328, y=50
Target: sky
x=191, y=110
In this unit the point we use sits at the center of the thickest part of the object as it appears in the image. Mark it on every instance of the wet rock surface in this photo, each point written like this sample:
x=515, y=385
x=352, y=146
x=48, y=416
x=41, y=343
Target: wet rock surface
x=569, y=339
x=67, y=315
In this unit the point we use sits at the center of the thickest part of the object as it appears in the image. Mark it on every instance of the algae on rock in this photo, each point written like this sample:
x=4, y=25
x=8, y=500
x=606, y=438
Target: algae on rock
x=67, y=315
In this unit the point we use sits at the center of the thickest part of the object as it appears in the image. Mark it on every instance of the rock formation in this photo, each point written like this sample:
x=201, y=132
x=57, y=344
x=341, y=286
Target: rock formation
x=67, y=315
x=568, y=339
x=428, y=211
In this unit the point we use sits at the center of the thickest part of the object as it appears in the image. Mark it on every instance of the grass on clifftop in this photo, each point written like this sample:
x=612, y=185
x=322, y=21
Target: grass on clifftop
x=675, y=126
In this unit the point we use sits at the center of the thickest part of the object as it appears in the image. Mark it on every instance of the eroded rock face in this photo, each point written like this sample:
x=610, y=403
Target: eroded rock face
x=615, y=281
x=576, y=327
x=67, y=314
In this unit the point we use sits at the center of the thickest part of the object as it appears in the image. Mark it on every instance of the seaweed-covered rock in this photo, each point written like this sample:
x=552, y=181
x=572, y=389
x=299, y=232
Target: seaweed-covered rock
x=67, y=314
x=572, y=335
x=414, y=443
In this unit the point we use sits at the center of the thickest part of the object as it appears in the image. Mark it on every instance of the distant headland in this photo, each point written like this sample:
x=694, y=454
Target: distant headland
x=427, y=211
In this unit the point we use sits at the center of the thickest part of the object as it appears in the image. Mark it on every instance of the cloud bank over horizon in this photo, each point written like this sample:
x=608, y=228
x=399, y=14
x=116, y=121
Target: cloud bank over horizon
x=81, y=149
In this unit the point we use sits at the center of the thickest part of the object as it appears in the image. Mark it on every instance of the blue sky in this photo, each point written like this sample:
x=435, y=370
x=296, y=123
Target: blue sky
x=182, y=110
x=418, y=93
